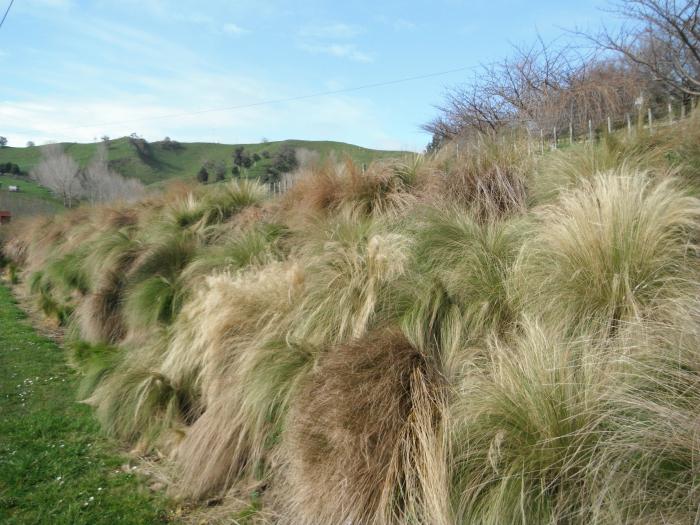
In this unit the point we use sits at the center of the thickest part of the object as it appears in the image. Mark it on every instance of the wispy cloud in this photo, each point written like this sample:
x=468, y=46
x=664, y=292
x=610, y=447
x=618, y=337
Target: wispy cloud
x=402, y=24
x=234, y=29
x=333, y=39
x=349, y=51
x=329, y=31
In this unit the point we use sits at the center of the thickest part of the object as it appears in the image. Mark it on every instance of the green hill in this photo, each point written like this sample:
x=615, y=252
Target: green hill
x=158, y=163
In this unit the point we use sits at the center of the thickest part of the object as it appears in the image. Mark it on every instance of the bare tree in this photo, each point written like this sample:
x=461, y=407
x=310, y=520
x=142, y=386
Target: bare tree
x=542, y=86
x=663, y=36
x=59, y=173
x=98, y=183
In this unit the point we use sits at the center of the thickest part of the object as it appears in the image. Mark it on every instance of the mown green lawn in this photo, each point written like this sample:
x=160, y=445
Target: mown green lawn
x=55, y=466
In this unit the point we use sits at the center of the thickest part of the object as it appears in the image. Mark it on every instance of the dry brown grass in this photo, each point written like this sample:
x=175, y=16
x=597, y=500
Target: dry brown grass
x=377, y=456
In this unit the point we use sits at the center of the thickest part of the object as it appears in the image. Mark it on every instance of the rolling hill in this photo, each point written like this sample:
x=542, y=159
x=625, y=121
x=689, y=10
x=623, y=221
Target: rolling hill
x=160, y=163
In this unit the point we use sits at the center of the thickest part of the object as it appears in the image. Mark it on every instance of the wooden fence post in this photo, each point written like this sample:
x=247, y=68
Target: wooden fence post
x=670, y=113
x=609, y=125
x=555, y=137
x=571, y=133
x=590, y=131
x=629, y=125
x=542, y=141
x=650, y=121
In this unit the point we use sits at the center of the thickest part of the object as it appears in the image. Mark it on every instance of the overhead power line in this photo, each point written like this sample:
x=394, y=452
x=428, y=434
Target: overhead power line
x=6, y=11
x=281, y=100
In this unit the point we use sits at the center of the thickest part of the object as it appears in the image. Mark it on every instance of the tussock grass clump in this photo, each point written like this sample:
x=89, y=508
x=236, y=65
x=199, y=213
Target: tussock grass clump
x=459, y=287
x=605, y=252
x=566, y=169
x=488, y=177
x=351, y=268
x=384, y=188
x=525, y=428
x=245, y=370
x=378, y=456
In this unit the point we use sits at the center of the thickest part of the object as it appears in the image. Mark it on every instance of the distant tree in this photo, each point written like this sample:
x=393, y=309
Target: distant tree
x=285, y=160
x=14, y=169
x=264, y=140
x=203, y=175
x=59, y=173
x=435, y=144
x=30, y=144
x=256, y=157
x=3, y=142
x=235, y=171
x=105, y=139
x=170, y=144
x=662, y=37
x=271, y=175
x=143, y=148
x=99, y=183
x=220, y=171
x=241, y=158
x=265, y=154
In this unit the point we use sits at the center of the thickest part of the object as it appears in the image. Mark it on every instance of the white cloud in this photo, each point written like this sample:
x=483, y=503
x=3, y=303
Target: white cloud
x=333, y=39
x=330, y=31
x=233, y=29
x=401, y=24
x=349, y=51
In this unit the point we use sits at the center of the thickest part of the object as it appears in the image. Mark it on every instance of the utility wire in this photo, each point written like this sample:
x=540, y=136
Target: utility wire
x=6, y=11
x=281, y=100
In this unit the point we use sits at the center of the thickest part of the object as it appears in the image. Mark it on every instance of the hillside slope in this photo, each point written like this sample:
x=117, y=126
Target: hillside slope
x=161, y=164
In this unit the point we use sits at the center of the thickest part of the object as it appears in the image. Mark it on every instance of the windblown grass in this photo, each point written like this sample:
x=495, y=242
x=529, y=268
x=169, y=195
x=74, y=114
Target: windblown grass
x=474, y=336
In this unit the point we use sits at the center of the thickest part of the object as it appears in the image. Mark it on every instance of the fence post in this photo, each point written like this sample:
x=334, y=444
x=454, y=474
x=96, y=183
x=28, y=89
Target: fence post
x=682, y=111
x=650, y=121
x=590, y=131
x=609, y=125
x=629, y=125
x=555, y=138
x=571, y=133
x=670, y=113
x=542, y=141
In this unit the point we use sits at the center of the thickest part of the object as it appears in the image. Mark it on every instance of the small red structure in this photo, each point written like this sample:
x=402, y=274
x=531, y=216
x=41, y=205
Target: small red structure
x=5, y=217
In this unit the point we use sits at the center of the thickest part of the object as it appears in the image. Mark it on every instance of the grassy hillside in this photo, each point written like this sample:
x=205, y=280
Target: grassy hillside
x=482, y=335
x=32, y=199
x=55, y=467
x=162, y=164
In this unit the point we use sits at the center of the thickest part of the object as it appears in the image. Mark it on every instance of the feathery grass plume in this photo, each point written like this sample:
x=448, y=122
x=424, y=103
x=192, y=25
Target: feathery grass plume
x=203, y=207
x=382, y=189
x=256, y=245
x=109, y=258
x=68, y=272
x=137, y=403
x=51, y=302
x=365, y=443
x=486, y=176
x=351, y=265
x=154, y=291
x=678, y=147
x=231, y=336
x=94, y=361
x=566, y=169
x=649, y=466
x=605, y=251
x=524, y=427
x=458, y=287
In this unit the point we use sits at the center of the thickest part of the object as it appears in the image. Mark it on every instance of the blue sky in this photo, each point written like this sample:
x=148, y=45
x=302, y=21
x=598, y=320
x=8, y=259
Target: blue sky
x=75, y=70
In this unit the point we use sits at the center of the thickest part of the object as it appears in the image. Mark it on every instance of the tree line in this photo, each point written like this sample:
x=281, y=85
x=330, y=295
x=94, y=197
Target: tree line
x=94, y=183
x=651, y=61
